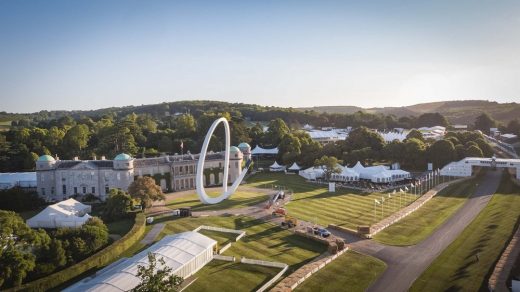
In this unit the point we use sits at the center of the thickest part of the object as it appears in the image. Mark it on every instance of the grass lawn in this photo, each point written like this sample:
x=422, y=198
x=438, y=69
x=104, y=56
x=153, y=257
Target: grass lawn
x=419, y=225
x=457, y=268
x=241, y=277
x=352, y=271
x=240, y=199
x=312, y=202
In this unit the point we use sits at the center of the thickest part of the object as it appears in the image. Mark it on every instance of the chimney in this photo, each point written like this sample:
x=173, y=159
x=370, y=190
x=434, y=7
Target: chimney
x=94, y=158
x=76, y=158
x=103, y=157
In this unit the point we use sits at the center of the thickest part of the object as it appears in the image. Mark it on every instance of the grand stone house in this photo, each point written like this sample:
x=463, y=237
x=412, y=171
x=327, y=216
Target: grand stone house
x=61, y=179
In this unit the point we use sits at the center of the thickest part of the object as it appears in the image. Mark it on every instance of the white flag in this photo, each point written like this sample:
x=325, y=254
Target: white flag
x=401, y=191
x=406, y=188
x=389, y=195
x=394, y=192
x=377, y=202
x=412, y=185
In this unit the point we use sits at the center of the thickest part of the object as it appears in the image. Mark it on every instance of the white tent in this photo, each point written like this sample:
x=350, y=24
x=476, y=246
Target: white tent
x=68, y=213
x=347, y=174
x=185, y=253
x=312, y=173
x=276, y=167
x=294, y=167
x=262, y=151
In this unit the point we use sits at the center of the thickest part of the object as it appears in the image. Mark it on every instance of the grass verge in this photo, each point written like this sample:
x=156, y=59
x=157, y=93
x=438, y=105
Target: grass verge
x=467, y=262
x=419, y=225
x=352, y=271
x=239, y=199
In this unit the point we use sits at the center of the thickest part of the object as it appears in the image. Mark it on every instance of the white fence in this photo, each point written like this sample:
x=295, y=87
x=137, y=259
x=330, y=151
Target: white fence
x=283, y=266
x=241, y=233
x=224, y=258
x=224, y=248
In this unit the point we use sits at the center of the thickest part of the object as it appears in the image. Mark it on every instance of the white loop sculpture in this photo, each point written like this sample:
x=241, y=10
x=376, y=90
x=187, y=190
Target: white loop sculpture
x=204, y=198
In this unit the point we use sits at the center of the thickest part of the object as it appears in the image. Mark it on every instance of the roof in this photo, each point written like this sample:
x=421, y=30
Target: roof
x=233, y=149
x=123, y=156
x=177, y=250
x=294, y=166
x=276, y=165
x=259, y=151
x=244, y=145
x=47, y=158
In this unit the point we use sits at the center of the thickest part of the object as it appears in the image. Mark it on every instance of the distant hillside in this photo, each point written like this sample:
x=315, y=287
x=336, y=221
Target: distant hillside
x=457, y=112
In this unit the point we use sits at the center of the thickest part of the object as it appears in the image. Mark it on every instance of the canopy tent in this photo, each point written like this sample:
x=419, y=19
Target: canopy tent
x=262, y=151
x=185, y=253
x=294, y=167
x=347, y=174
x=276, y=167
x=68, y=213
x=312, y=173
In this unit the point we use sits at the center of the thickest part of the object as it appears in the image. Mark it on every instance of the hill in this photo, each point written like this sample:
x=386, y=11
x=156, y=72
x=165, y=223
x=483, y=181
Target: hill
x=457, y=112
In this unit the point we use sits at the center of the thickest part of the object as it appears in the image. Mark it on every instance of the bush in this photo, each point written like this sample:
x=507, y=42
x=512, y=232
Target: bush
x=19, y=200
x=97, y=260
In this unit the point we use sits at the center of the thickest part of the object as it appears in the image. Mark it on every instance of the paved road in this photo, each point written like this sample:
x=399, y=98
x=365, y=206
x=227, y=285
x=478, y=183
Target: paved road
x=152, y=234
x=406, y=264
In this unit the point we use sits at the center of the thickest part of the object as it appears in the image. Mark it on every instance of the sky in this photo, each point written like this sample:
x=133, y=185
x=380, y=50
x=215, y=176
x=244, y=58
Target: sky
x=64, y=55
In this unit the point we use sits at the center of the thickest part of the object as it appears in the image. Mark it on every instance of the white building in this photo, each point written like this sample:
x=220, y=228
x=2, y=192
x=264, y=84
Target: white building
x=464, y=167
x=60, y=179
x=185, y=253
x=68, y=213
x=376, y=174
x=21, y=179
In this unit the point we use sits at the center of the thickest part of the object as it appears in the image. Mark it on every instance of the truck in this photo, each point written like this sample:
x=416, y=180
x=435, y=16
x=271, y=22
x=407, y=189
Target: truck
x=289, y=221
x=279, y=212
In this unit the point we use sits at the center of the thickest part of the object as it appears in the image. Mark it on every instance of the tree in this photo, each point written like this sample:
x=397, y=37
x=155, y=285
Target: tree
x=514, y=127
x=277, y=130
x=145, y=189
x=117, y=206
x=154, y=279
x=363, y=137
x=185, y=125
x=414, y=133
x=76, y=139
x=484, y=122
x=394, y=151
x=17, y=240
x=431, y=119
x=474, y=151
x=441, y=153
x=289, y=149
x=487, y=150
x=329, y=164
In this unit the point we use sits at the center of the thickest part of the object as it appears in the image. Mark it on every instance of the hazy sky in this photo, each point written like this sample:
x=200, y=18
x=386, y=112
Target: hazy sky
x=94, y=54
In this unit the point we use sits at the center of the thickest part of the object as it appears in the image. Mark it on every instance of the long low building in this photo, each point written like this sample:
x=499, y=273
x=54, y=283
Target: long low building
x=464, y=167
x=60, y=179
x=185, y=253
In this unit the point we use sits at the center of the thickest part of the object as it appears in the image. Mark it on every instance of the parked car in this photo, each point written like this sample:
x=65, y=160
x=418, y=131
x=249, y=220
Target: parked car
x=321, y=232
x=279, y=212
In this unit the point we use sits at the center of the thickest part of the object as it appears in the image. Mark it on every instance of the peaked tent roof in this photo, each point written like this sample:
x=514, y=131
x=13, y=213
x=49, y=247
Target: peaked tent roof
x=259, y=150
x=295, y=166
x=276, y=165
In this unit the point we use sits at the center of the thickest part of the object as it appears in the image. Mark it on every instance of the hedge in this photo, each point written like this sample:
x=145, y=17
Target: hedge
x=97, y=260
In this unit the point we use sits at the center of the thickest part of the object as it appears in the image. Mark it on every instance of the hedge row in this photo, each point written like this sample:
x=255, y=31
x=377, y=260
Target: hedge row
x=97, y=260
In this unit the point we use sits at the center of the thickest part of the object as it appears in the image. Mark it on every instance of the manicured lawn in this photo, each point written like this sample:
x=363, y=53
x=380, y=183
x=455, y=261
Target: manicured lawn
x=352, y=271
x=240, y=199
x=458, y=268
x=264, y=241
x=221, y=276
x=312, y=202
x=419, y=225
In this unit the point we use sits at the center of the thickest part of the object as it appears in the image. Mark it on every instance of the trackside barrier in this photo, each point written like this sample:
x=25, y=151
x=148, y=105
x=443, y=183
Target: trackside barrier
x=283, y=266
x=299, y=276
x=241, y=233
x=383, y=224
x=224, y=258
x=224, y=248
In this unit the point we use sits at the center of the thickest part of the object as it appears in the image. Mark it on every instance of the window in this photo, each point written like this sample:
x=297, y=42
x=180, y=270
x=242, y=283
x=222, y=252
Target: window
x=107, y=190
x=43, y=191
x=84, y=190
x=64, y=189
x=75, y=190
x=52, y=190
x=93, y=190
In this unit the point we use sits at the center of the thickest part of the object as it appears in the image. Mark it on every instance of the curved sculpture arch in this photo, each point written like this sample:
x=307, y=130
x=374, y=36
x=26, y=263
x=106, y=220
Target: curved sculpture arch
x=204, y=198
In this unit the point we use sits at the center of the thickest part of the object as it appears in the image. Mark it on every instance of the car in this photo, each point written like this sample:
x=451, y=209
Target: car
x=322, y=232
x=279, y=212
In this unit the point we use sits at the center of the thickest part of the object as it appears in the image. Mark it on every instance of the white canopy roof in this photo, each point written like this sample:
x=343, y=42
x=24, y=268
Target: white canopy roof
x=294, y=166
x=262, y=151
x=276, y=165
x=68, y=213
x=177, y=251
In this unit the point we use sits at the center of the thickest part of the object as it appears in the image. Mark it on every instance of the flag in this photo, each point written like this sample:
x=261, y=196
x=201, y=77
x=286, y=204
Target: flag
x=394, y=192
x=377, y=202
x=406, y=188
x=389, y=195
x=401, y=191
x=412, y=185
x=382, y=199
x=182, y=144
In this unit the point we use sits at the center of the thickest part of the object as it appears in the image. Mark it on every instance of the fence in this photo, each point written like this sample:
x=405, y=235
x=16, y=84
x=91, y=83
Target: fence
x=224, y=258
x=241, y=233
x=224, y=248
x=283, y=266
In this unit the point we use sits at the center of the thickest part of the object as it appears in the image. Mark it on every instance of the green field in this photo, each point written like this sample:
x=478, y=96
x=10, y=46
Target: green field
x=312, y=202
x=419, y=225
x=241, y=277
x=458, y=268
x=350, y=272
x=240, y=199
